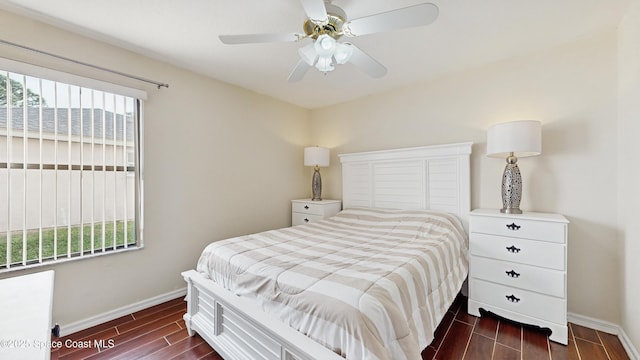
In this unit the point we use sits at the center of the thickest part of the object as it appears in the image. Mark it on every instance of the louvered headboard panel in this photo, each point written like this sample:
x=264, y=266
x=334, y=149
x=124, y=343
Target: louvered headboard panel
x=429, y=177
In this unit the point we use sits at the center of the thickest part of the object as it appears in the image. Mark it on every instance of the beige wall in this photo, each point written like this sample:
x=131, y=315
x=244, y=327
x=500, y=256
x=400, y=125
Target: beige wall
x=572, y=90
x=219, y=161
x=628, y=171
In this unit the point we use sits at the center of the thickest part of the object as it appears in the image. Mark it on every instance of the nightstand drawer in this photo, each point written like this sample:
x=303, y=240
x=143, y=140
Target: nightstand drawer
x=520, y=228
x=531, y=252
x=524, y=302
x=544, y=281
x=301, y=219
x=308, y=208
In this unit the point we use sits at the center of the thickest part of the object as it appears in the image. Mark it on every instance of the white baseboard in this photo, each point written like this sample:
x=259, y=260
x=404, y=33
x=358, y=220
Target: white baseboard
x=606, y=327
x=628, y=346
x=593, y=323
x=66, y=329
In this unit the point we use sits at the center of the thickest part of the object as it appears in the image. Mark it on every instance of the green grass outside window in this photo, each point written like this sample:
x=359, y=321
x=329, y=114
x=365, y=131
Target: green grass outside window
x=63, y=241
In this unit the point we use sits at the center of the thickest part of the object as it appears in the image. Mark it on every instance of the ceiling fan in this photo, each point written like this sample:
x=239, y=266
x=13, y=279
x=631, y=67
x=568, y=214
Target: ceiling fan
x=327, y=23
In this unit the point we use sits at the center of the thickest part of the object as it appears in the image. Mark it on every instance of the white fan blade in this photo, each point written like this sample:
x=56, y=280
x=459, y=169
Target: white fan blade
x=316, y=11
x=417, y=15
x=258, y=38
x=298, y=72
x=368, y=64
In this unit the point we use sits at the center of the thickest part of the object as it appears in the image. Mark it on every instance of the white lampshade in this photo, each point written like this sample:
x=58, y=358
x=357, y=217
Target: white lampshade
x=343, y=53
x=325, y=64
x=325, y=45
x=522, y=138
x=316, y=156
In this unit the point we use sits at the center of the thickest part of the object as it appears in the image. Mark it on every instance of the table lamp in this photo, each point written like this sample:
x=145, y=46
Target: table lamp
x=512, y=140
x=318, y=157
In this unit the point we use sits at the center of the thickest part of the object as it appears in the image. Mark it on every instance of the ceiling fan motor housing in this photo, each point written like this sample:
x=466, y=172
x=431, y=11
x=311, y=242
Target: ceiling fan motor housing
x=337, y=18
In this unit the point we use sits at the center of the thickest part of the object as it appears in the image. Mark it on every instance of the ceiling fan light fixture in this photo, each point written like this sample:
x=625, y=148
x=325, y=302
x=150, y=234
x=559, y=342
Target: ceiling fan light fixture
x=308, y=54
x=325, y=45
x=343, y=53
x=325, y=64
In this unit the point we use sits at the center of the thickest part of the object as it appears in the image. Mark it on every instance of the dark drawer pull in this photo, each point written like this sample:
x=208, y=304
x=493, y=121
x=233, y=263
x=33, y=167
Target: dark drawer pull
x=306, y=220
x=512, y=274
x=306, y=207
x=512, y=298
x=513, y=226
x=512, y=249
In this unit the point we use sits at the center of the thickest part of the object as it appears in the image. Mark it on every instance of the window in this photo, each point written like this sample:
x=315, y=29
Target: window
x=70, y=184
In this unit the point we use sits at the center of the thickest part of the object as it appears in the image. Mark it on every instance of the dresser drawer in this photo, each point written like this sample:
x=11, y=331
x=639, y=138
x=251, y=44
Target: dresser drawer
x=520, y=228
x=531, y=252
x=524, y=302
x=540, y=280
x=301, y=219
x=307, y=208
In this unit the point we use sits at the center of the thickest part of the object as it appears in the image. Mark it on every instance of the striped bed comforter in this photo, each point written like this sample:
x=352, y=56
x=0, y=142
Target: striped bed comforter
x=366, y=283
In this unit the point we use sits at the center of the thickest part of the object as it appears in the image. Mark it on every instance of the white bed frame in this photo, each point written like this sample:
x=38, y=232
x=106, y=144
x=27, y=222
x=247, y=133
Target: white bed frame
x=430, y=177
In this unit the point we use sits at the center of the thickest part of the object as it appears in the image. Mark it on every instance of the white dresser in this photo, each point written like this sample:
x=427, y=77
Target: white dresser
x=305, y=211
x=25, y=317
x=518, y=268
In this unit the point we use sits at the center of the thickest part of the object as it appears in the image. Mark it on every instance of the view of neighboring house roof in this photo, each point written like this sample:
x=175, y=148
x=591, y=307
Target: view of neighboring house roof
x=49, y=120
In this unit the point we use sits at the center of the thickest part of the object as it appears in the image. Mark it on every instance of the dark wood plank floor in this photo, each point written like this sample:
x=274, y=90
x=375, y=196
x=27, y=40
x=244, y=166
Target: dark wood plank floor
x=159, y=333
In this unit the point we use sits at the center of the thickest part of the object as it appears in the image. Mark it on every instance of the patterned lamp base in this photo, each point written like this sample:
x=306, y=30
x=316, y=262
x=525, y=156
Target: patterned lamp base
x=316, y=185
x=511, y=187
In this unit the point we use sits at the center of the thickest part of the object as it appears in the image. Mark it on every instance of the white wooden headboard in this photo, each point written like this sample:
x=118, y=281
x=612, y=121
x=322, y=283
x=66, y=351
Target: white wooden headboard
x=429, y=177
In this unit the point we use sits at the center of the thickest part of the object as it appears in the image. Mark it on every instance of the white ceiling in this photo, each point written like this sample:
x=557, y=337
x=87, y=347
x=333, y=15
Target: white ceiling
x=467, y=33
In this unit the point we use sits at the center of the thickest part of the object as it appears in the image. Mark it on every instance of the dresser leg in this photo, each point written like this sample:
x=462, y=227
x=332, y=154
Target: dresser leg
x=560, y=334
x=473, y=308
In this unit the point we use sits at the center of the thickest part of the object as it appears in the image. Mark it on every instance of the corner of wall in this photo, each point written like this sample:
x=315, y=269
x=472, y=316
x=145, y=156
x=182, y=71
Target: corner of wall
x=628, y=176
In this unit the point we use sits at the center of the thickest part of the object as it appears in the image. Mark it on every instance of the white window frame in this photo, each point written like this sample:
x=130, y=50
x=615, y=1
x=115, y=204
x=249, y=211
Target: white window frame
x=138, y=97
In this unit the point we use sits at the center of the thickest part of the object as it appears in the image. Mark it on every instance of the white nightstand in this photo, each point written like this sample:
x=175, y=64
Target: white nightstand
x=305, y=211
x=518, y=268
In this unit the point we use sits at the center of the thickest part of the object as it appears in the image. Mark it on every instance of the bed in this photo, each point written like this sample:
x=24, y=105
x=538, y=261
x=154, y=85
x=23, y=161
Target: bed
x=372, y=282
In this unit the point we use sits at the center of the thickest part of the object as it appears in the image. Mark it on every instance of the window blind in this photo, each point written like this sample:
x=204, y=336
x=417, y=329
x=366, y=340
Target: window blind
x=70, y=175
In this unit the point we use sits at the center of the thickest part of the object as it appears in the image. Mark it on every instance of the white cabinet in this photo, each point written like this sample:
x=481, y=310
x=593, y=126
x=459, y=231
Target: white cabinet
x=305, y=211
x=518, y=268
x=25, y=313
